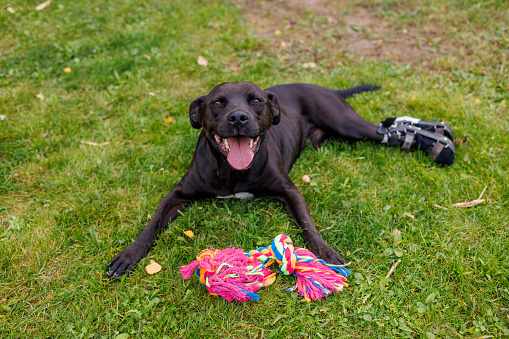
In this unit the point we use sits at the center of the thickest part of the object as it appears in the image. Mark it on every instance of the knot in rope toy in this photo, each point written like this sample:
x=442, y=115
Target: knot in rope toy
x=235, y=275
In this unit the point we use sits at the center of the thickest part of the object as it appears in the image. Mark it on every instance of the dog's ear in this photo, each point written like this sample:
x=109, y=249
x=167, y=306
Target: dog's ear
x=195, y=112
x=274, y=106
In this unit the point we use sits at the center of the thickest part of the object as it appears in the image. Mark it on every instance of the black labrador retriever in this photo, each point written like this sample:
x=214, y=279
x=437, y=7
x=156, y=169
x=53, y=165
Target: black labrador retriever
x=249, y=141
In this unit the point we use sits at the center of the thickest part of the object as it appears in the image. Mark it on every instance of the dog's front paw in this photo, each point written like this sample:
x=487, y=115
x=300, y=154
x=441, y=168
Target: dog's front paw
x=326, y=253
x=125, y=261
x=322, y=250
x=329, y=255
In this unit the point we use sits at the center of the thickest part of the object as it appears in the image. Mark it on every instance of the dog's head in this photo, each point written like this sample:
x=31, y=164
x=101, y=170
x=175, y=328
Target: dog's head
x=236, y=117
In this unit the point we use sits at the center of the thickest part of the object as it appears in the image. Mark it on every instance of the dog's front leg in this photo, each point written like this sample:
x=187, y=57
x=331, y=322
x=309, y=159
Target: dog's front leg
x=168, y=210
x=296, y=206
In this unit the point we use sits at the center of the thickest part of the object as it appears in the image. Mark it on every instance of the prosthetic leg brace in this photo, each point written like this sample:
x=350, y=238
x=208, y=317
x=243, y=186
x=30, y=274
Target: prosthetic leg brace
x=432, y=137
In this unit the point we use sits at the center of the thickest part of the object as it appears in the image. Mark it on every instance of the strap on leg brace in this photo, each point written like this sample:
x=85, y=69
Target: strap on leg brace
x=409, y=139
x=408, y=136
x=433, y=126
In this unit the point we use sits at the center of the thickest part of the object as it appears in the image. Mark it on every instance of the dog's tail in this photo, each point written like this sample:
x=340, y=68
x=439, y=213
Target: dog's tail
x=350, y=92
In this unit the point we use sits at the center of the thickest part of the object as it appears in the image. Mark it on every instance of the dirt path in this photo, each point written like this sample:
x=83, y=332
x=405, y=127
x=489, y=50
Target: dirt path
x=318, y=30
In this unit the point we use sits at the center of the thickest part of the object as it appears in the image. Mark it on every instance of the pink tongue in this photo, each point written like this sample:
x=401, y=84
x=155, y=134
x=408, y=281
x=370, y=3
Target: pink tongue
x=240, y=155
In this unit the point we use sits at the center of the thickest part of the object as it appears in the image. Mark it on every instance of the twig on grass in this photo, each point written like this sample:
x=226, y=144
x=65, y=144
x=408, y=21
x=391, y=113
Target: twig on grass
x=391, y=271
x=482, y=193
x=438, y=206
x=473, y=202
x=261, y=209
x=94, y=143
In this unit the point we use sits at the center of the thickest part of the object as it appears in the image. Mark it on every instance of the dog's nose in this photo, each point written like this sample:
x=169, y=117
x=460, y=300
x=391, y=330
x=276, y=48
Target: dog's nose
x=238, y=118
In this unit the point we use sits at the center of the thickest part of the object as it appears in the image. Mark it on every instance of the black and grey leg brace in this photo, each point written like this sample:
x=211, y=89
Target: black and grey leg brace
x=433, y=138
x=433, y=126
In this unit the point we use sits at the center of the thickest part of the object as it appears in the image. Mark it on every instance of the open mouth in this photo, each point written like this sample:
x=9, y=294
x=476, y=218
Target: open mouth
x=239, y=150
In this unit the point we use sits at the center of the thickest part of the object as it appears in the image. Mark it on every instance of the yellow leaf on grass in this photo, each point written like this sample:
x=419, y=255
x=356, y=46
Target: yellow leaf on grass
x=190, y=234
x=67, y=70
x=153, y=267
x=269, y=280
x=169, y=120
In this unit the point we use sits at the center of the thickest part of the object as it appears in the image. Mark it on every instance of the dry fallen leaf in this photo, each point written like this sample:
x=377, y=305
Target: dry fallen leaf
x=411, y=216
x=309, y=65
x=190, y=234
x=169, y=120
x=473, y=202
x=152, y=94
x=306, y=178
x=283, y=44
x=67, y=70
x=43, y=5
x=202, y=61
x=11, y=10
x=153, y=267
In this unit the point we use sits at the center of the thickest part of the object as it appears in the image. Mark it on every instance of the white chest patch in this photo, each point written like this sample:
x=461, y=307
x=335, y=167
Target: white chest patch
x=239, y=195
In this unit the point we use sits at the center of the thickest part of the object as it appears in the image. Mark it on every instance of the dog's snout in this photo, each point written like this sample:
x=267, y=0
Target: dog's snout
x=238, y=118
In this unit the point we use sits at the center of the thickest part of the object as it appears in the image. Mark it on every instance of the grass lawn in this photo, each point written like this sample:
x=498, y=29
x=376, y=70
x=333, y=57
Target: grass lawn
x=87, y=151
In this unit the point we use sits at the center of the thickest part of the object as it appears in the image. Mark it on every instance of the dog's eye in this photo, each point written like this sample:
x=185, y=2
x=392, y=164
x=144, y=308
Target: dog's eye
x=256, y=101
x=217, y=103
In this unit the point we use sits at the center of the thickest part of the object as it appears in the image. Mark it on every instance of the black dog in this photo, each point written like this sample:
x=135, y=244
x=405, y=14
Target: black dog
x=250, y=140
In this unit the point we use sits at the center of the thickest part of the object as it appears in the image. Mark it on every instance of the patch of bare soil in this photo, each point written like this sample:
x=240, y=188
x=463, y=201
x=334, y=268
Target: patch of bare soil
x=328, y=30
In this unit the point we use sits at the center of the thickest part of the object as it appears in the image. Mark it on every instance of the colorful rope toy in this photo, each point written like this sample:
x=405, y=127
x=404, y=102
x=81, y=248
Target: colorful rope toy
x=235, y=275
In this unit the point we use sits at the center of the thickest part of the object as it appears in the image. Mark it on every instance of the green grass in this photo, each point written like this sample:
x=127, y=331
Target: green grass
x=66, y=208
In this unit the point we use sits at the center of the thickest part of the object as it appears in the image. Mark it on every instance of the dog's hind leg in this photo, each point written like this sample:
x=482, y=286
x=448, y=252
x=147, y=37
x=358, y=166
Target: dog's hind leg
x=332, y=116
